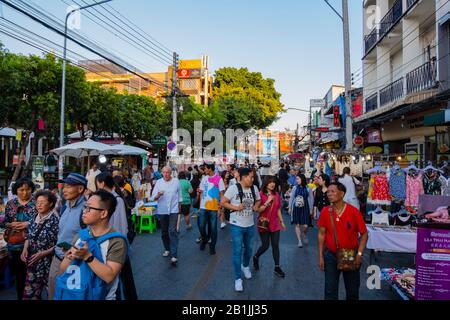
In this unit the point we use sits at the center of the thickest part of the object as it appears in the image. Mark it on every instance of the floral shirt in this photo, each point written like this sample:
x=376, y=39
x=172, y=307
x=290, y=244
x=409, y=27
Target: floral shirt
x=15, y=212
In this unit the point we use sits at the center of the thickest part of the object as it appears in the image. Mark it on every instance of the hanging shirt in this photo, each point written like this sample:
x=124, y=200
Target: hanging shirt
x=445, y=186
x=397, y=184
x=431, y=184
x=414, y=188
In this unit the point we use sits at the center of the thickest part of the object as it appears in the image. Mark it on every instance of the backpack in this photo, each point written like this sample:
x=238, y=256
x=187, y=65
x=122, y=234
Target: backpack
x=79, y=282
x=241, y=192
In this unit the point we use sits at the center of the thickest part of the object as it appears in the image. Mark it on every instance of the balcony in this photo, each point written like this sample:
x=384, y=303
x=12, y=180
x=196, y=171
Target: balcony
x=411, y=3
x=391, y=18
x=370, y=40
x=372, y=102
x=422, y=78
x=392, y=92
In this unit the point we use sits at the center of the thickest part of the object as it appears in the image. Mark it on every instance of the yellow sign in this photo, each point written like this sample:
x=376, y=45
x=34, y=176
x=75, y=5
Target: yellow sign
x=412, y=156
x=373, y=149
x=190, y=64
x=19, y=135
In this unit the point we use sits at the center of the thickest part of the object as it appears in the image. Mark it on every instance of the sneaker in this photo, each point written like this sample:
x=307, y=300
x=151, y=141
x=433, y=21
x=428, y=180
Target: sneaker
x=174, y=261
x=305, y=240
x=199, y=239
x=300, y=245
x=246, y=271
x=223, y=225
x=238, y=285
x=212, y=251
x=209, y=241
x=166, y=253
x=255, y=263
x=278, y=272
x=189, y=227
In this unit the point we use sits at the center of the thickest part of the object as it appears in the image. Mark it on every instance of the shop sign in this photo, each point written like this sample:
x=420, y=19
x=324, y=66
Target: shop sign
x=37, y=175
x=373, y=150
x=189, y=73
x=336, y=120
x=432, y=264
x=374, y=136
x=358, y=141
x=317, y=103
x=159, y=141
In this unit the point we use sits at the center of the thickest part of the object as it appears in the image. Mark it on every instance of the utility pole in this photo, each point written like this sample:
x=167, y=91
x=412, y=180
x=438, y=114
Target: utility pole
x=174, y=96
x=348, y=80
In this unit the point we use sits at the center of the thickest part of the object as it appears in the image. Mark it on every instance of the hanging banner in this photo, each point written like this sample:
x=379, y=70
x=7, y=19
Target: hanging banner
x=37, y=175
x=19, y=135
x=433, y=264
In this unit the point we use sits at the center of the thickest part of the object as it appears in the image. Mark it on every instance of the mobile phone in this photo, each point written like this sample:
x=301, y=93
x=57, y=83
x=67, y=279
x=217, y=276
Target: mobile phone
x=64, y=245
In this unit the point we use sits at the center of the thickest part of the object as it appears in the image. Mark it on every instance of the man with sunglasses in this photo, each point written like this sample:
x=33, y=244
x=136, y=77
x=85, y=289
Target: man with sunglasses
x=69, y=223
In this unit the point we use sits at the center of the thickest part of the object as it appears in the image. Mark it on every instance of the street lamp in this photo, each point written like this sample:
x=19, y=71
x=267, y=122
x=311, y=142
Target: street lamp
x=63, y=87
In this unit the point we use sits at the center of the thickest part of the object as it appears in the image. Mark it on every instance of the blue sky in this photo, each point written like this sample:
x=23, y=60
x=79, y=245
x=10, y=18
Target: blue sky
x=296, y=42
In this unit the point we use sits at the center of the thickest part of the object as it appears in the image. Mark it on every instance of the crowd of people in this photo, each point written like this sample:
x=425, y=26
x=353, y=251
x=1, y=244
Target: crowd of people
x=89, y=227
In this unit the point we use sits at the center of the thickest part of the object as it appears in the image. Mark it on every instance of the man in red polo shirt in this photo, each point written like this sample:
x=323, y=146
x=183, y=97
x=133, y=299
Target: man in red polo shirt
x=349, y=224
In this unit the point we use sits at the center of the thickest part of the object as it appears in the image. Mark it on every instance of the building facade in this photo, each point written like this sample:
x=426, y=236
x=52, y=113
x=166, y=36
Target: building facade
x=405, y=75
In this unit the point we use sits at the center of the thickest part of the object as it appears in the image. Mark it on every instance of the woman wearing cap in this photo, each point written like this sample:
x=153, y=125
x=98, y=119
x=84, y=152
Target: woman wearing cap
x=18, y=214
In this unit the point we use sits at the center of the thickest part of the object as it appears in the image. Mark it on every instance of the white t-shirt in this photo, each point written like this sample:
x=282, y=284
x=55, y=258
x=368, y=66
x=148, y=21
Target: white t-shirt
x=211, y=188
x=349, y=183
x=242, y=218
x=168, y=202
x=90, y=176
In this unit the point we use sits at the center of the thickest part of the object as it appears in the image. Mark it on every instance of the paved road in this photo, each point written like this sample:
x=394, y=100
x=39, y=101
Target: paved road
x=200, y=276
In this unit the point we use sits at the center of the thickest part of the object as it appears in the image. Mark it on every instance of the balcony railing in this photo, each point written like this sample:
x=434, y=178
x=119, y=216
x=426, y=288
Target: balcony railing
x=410, y=3
x=372, y=102
x=422, y=78
x=391, y=18
x=370, y=40
x=392, y=92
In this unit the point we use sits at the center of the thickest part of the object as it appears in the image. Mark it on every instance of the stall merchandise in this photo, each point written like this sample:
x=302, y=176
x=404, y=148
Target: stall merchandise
x=400, y=239
x=402, y=280
x=414, y=188
x=397, y=183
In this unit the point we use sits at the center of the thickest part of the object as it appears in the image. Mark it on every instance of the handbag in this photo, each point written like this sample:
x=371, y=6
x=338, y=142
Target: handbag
x=14, y=237
x=346, y=258
x=263, y=221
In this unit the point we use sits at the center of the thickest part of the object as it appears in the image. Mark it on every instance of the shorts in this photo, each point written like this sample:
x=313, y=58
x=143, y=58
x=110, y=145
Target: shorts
x=185, y=209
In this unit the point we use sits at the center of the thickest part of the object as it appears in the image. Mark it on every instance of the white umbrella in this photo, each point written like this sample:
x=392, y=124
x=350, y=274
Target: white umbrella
x=130, y=150
x=86, y=148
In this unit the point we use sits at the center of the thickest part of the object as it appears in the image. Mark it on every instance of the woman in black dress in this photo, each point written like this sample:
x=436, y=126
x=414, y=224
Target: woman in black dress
x=321, y=198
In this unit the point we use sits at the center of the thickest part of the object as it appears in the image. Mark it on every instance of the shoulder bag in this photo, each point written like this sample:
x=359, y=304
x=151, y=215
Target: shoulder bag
x=346, y=258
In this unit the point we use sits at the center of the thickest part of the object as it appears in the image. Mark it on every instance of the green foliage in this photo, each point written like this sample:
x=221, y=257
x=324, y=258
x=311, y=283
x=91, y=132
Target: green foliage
x=246, y=98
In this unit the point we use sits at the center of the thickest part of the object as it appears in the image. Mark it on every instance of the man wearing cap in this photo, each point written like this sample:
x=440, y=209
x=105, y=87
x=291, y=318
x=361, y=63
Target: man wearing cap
x=69, y=223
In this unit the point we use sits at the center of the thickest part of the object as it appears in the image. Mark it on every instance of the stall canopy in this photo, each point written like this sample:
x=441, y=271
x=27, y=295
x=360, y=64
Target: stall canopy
x=86, y=148
x=130, y=150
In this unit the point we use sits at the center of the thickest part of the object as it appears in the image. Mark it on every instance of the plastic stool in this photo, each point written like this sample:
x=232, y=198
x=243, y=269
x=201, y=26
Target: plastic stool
x=148, y=223
x=136, y=220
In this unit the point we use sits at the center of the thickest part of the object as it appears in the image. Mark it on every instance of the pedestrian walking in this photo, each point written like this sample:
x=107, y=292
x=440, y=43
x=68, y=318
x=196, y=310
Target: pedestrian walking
x=19, y=212
x=350, y=185
x=320, y=196
x=168, y=195
x=300, y=208
x=271, y=211
x=340, y=225
x=212, y=188
x=242, y=200
x=186, y=190
x=38, y=249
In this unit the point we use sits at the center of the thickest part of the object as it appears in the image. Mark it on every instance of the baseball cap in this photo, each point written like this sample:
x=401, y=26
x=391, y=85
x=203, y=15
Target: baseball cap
x=75, y=179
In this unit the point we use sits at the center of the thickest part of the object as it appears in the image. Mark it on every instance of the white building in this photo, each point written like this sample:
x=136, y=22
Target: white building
x=405, y=72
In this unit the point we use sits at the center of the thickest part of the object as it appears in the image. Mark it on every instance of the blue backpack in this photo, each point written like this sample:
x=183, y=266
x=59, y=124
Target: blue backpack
x=79, y=282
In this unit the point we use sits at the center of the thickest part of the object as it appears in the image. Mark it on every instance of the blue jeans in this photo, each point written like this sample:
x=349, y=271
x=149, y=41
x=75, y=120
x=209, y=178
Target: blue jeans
x=239, y=236
x=208, y=217
x=332, y=274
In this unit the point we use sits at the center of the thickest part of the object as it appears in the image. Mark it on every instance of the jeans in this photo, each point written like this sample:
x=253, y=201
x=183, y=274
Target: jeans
x=266, y=239
x=169, y=234
x=239, y=236
x=19, y=270
x=208, y=217
x=332, y=274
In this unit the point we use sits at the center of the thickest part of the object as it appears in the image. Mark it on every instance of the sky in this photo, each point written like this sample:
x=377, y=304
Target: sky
x=298, y=43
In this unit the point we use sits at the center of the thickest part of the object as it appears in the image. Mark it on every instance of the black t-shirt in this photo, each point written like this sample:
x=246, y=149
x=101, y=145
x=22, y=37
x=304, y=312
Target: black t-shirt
x=283, y=175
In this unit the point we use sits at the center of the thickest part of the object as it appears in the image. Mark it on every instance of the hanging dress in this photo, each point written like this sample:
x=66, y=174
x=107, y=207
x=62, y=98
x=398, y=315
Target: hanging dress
x=380, y=193
x=432, y=184
x=445, y=186
x=397, y=185
x=414, y=188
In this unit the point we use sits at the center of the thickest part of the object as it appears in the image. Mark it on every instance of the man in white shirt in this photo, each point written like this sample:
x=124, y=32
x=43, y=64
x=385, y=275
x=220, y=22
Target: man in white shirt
x=90, y=176
x=350, y=184
x=168, y=195
x=242, y=201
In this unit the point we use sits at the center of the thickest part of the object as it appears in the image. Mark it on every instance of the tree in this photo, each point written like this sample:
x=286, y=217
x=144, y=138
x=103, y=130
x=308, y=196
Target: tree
x=246, y=97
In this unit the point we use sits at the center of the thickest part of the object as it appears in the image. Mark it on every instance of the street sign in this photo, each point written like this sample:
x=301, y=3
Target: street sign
x=171, y=145
x=358, y=140
x=317, y=103
x=159, y=141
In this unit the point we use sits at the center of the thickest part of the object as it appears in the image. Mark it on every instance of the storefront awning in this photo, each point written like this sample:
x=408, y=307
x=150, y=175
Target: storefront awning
x=437, y=119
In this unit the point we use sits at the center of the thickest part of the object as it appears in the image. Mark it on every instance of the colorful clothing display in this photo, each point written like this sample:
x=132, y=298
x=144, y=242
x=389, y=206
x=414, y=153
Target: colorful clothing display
x=380, y=191
x=403, y=280
x=431, y=183
x=414, y=188
x=445, y=186
x=397, y=184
